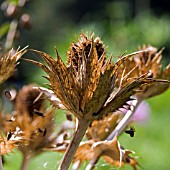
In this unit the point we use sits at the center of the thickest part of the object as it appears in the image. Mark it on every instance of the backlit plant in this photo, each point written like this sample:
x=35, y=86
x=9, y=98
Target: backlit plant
x=98, y=95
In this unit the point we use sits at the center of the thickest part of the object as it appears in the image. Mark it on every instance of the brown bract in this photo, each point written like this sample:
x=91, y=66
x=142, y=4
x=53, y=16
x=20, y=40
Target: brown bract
x=86, y=86
x=7, y=146
x=8, y=63
x=149, y=63
x=101, y=128
x=110, y=151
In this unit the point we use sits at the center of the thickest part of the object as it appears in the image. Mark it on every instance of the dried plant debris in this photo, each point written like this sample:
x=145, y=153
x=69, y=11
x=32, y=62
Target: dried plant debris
x=8, y=63
x=146, y=63
x=86, y=86
x=101, y=128
x=6, y=144
x=93, y=88
x=31, y=132
x=110, y=151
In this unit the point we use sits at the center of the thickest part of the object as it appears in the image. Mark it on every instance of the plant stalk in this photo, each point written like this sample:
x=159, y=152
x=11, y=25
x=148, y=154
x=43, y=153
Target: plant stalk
x=25, y=162
x=74, y=144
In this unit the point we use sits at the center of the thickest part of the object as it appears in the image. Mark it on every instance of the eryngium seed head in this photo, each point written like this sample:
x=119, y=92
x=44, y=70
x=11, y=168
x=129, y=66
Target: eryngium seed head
x=26, y=100
x=82, y=49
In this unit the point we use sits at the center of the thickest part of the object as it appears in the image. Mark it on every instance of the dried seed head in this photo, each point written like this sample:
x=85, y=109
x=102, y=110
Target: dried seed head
x=82, y=49
x=101, y=128
x=86, y=87
x=30, y=131
x=25, y=100
x=146, y=63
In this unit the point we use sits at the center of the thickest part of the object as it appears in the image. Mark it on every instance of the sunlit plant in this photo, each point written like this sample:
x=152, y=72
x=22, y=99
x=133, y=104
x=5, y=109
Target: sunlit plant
x=92, y=87
x=101, y=97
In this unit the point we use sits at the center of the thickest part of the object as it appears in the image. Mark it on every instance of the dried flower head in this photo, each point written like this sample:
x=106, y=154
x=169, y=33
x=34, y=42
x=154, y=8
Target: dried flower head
x=33, y=131
x=8, y=63
x=149, y=63
x=86, y=87
x=100, y=129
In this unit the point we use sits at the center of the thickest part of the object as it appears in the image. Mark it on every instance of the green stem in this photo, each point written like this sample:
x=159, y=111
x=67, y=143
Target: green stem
x=11, y=34
x=74, y=144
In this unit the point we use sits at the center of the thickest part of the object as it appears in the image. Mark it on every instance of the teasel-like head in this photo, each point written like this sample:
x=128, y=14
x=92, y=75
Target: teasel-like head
x=146, y=63
x=31, y=122
x=86, y=86
x=8, y=63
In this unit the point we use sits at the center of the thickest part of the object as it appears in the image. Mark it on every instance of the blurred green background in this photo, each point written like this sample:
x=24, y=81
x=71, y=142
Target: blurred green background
x=123, y=25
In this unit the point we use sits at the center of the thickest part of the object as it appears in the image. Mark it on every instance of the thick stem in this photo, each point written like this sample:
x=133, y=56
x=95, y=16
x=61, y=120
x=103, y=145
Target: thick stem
x=74, y=144
x=25, y=162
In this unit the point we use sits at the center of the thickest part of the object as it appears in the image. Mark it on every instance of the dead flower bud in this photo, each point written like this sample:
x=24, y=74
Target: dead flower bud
x=8, y=63
x=10, y=94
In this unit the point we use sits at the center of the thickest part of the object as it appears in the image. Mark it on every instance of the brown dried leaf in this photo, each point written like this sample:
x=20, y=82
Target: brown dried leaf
x=62, y=82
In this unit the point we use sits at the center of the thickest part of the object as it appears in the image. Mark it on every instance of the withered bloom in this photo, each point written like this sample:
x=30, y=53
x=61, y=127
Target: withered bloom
x=32, y=132
x=111, y=151
x=149, y=63
x=8, y=63
x=86, y=86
